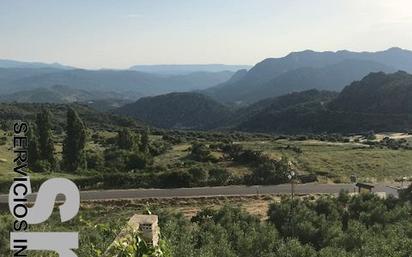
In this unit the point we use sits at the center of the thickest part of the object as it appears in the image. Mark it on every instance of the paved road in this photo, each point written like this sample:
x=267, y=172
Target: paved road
x=216, y=191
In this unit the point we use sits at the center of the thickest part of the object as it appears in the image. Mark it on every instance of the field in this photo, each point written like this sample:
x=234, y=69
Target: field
x=331, y=162
x=338, y=161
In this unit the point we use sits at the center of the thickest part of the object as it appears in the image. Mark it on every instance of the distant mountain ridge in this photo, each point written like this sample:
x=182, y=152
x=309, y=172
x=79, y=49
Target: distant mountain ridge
x=4, y=63
x=309, y=69
x=21, y=79
x=59, y=94
x=179, y=69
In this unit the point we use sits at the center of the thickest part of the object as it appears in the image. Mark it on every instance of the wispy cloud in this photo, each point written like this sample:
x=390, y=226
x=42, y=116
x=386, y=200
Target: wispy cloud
x=134, y=15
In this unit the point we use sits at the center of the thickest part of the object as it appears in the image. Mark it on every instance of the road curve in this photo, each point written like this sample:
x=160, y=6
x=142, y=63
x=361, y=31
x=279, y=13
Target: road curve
x=312, y=188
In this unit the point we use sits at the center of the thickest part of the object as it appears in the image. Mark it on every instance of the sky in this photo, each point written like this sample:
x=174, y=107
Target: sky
x=121, y=33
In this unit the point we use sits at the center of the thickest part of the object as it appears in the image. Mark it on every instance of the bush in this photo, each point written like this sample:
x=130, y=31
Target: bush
x=175, y=179
x=42, y=166
x=115, y=159
x=201, y=153
x=137, y=160
x=95, y=161
x=3, y=140
x=270, y=172
x=199, y=176
x=219, y=176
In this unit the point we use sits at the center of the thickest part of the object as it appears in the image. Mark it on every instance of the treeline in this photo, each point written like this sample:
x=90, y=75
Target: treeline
x=42, y=146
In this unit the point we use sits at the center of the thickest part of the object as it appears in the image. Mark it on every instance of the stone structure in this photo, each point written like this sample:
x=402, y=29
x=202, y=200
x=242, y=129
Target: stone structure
x=146, y=225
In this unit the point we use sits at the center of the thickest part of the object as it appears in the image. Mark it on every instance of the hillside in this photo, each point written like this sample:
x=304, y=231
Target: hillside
x=279, y=104
x=379, y=102
x=309, y=69
x=377, y=93
x=10, y=112
x=177, y=110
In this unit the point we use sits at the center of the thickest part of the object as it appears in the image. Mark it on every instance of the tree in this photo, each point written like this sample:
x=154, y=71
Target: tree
x=201, y=153
x=125, y=139
x=199, y=175
x=74, y=142
x=33, y=146
x=270, y=172
x=45, y=141
x=144, y=141
x=137, y=160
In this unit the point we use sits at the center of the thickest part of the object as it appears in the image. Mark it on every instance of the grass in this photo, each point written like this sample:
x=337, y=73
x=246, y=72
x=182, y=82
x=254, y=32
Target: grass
x=175, y=155
x=340, y=160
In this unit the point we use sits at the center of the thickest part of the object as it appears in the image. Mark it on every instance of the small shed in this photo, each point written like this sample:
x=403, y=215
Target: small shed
x=362, y=187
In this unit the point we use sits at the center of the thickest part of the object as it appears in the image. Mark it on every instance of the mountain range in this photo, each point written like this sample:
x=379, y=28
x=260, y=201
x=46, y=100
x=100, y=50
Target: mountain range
x=379, y=102
x=4, y=63
x=306, y=70
x=58, y=94
x=145, y=84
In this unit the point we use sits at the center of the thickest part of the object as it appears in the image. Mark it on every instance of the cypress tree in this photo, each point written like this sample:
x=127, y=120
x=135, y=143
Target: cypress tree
x=33, y=146
x=45, y=141
x=74, y=142
x=125, y=139
x=144, y=141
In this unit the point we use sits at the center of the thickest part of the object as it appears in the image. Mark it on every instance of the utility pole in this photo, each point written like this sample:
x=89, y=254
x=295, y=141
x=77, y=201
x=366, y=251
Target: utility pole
x=291, y=178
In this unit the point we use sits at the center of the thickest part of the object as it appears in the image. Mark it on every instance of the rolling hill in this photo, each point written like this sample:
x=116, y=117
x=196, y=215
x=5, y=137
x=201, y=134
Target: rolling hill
x=379, y=102
x=178, y=110
x=58, y=94
x=377, y=93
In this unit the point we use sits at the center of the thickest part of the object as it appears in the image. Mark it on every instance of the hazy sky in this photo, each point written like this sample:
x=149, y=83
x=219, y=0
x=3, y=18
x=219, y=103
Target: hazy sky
x=121, y=33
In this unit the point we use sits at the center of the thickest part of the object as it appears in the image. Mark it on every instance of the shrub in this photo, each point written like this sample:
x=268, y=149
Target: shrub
x=137, y=160
x=199, y=176
x=3, y=140
x=200, y=152
x=95, y=161
x=219, y=176
x=175, y=179
x=42, y=166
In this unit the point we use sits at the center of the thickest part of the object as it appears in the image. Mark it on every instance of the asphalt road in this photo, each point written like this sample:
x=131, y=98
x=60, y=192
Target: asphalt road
x=216, y=191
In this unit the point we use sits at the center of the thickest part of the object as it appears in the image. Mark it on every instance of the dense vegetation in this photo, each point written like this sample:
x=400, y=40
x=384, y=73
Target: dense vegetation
x=377, y=93
x=101, y=151
x=324, y=227
x=178, y=110
x=358, y=226
x=379, y=102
